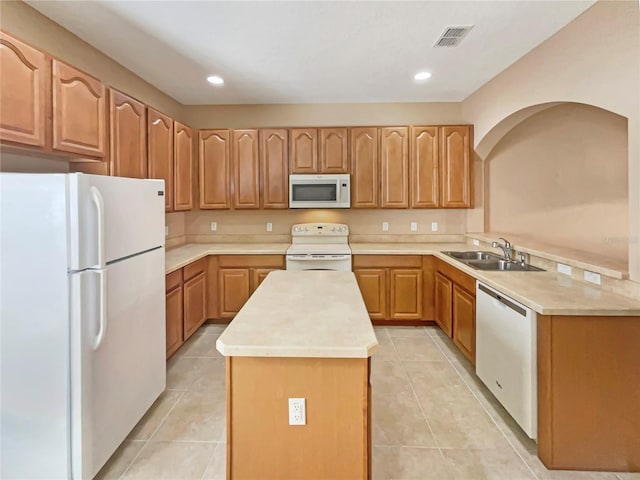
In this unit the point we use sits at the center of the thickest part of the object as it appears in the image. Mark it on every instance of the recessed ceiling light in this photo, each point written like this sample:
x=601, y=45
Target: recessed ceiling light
x=422, y=75
x=215, y=79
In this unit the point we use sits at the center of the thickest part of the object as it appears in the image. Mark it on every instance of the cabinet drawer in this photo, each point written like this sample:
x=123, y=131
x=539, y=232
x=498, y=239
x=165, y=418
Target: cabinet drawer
x=378, y=261
x=465, y=281
x=195, y=268
x=173, y=280
x=239, y=261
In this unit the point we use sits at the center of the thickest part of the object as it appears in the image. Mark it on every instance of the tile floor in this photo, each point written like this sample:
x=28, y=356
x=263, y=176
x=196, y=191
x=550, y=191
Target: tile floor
x=432, y=418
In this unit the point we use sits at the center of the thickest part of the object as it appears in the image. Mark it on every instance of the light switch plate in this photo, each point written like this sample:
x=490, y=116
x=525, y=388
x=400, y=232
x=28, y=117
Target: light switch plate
x=269, y=227
x=166, y=231
x=562, y=268
x=434, y=226
x=385, y=226
x=476, y=242
x=414, y=226
x=592, y=277
x=214, y=226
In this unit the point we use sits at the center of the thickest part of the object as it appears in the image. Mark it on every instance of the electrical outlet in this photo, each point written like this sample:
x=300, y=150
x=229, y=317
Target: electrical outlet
x=166, y=231
x=434, y=226
x=592, y=277
x=297, y=411
x=414, y=226
x=476, y=242
x=385, y=226
x=214, y=226
x=562, y=268
x=269, y=227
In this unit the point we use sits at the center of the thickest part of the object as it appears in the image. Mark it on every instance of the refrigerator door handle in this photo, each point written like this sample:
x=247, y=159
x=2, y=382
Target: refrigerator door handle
x=96, y=197
x=102, y=313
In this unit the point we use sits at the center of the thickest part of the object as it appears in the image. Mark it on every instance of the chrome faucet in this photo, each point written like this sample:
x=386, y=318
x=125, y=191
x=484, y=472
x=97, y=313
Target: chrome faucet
x=506, y=248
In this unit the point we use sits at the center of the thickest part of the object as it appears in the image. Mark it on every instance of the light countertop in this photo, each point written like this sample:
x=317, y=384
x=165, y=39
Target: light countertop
x=548, y=293
x=302, y=314
x=179, y=257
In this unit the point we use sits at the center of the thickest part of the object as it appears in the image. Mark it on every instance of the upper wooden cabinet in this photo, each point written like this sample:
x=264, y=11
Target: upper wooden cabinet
x=215, y=168
x=455, y=166
x=365, y=178
x=324, y=150
x=333, y=150
x=274, y=168
x=160, y=149
x=128, y=136
x=183, y=167
x=424, y=167
x=246, y=175
x=394, y=166
x=78, y=111
x=304, y=150
x=22, y=92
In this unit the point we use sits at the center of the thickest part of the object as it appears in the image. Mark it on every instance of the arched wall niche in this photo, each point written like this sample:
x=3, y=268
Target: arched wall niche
x=557, y=173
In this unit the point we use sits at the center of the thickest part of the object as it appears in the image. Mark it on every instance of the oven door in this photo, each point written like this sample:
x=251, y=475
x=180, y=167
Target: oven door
x=298, y=262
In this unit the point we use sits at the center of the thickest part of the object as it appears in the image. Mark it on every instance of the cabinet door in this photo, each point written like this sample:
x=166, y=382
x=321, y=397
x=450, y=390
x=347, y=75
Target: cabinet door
x=194, y=304
x=424, y=167
x=233, y=290
x=455, y=166
x=394, y=165
x=22, y=92
x=79, y=115
x=182, y=167
x=372, y=283
x=444, y=292
x=128, y=136
x=160, y=148
x=274, y=168
x=334, y=151
x=215, y=169
x=365, y=181
x=464, y=322
x=304, y=150
x=174, y=320
x=405, y=293
x=246, y=173
x=258, y=275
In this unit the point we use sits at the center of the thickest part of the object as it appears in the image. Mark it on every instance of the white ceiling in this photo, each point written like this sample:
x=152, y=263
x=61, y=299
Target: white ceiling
x=312, y=51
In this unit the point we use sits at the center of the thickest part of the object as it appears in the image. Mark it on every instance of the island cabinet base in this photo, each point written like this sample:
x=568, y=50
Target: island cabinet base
x=589, y=392
x=336, y=441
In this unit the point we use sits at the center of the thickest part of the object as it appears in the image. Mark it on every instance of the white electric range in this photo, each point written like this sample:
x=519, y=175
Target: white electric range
x=319, y=246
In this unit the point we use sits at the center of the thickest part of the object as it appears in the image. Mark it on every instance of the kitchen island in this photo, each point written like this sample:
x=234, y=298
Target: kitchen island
x=301, y=335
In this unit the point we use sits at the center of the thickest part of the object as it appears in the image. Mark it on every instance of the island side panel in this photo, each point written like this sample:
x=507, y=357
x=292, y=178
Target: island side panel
x=335, y=442
x=589, y=392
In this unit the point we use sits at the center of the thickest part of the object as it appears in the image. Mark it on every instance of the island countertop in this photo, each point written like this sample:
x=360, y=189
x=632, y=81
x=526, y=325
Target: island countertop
x=317, y=314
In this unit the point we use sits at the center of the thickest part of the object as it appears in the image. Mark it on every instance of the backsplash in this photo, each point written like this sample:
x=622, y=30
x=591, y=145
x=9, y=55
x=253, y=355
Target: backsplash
x=253, y=223
x=176, y=224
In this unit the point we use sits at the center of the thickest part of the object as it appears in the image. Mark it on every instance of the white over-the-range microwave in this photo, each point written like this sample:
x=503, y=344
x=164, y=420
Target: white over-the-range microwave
x=319, y=191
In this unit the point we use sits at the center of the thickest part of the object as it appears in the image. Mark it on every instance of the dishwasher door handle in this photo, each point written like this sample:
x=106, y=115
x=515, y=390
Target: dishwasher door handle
x=502, y=300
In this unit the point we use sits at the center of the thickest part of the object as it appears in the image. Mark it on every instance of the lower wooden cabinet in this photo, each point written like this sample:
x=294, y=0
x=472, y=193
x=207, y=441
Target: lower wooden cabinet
x=238, y=276
x=391, y=285
x=456, y=307
x=174, y=318
x=186, y=303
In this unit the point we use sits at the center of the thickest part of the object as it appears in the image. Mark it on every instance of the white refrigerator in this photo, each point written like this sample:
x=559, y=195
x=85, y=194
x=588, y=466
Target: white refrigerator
x=82, y=319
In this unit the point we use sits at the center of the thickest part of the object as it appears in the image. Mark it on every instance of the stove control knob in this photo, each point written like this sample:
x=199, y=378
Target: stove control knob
x=333, y=229
x=295, y=229
x=306, y=229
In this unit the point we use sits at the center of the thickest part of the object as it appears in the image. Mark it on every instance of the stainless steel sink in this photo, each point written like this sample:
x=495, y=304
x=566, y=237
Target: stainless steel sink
x=473, y=255
x=491, y=261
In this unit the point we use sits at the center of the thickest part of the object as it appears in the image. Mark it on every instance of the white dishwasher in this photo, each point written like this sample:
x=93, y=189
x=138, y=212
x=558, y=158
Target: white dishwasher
x=506, y=354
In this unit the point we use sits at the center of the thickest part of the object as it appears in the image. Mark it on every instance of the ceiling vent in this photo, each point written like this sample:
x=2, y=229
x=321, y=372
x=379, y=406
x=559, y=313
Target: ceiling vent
x=452, y=36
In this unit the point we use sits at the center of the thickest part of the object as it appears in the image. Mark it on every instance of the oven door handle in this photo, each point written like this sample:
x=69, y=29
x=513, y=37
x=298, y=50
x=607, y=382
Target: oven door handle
x=310, y=258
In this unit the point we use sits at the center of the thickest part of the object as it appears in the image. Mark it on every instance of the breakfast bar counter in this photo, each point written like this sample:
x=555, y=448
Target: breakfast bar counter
x=300, y=335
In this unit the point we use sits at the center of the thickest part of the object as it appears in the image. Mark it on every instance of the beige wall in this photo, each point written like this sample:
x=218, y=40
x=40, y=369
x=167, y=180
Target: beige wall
x=251, y=223
x=560, y=177
x=24, y=22
x=594, y=60
x=312, y=115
